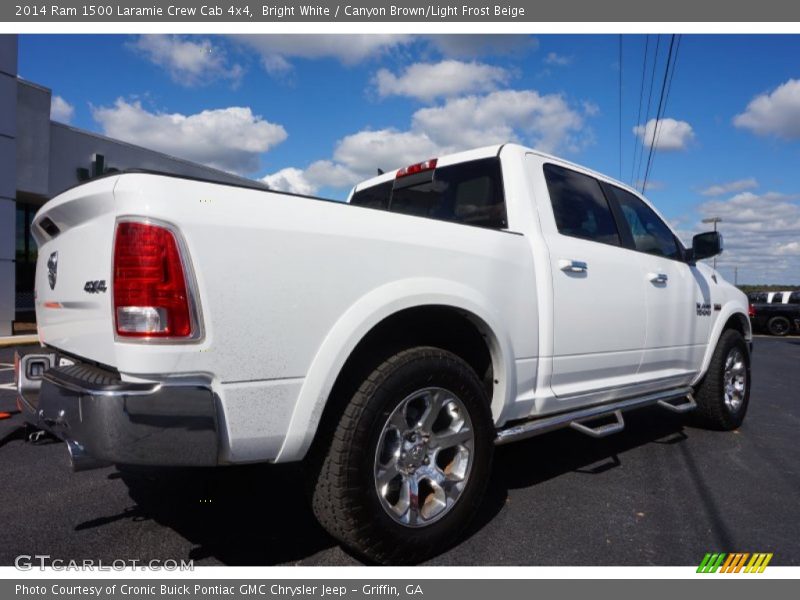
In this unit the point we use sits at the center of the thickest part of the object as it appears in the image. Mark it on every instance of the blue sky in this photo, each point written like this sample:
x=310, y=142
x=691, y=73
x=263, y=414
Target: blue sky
x=316, y=113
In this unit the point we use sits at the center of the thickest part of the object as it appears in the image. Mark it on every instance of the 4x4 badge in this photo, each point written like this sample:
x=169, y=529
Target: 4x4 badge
x=52, y=270
x=95, y=287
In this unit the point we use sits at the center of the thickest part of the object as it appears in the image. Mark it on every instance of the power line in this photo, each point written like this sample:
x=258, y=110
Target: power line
x=679, y=38
x=659, y=112
x=641, y=99
x=649, y=102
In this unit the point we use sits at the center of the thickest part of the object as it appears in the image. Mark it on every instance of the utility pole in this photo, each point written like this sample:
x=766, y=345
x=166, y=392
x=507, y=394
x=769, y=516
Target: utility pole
x=713, y=220
x=736, y=276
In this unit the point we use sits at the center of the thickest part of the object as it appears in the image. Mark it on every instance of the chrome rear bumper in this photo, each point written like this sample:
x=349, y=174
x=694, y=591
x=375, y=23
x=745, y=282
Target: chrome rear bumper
x=106, y=420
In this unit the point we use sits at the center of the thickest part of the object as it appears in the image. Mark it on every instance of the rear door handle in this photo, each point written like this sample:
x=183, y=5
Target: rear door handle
x=573, y=266
x=658, y=277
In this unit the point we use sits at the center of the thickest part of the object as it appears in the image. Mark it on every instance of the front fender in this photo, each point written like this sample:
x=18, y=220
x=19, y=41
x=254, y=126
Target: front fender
x=730, y=309
x=361, y=318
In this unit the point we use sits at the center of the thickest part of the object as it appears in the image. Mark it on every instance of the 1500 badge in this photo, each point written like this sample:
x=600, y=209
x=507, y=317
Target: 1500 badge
x=95, y=287
x=703, y=309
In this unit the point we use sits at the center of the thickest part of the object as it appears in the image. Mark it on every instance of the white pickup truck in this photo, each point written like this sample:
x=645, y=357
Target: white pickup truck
x=390, y=342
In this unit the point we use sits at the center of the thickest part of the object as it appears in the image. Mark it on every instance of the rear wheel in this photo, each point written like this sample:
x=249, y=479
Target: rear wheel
x=724, y=393
x=409, y=460
x=779, y=326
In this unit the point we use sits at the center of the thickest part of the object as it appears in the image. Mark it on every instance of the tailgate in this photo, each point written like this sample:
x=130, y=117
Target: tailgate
x=75, y=234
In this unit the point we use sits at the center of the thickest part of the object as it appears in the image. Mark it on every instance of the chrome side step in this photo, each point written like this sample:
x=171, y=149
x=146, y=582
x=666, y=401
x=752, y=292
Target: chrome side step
x=600, y=431
x=683, y=407
x=577, y=419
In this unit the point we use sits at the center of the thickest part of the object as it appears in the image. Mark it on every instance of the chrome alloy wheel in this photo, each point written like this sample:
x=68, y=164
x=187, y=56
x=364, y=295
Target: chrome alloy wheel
x=734, y=379
x=424, y=457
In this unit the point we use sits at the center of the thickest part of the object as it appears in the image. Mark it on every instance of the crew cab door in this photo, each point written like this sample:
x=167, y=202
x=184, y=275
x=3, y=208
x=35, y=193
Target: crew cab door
x=679, y=306
x=599, y=305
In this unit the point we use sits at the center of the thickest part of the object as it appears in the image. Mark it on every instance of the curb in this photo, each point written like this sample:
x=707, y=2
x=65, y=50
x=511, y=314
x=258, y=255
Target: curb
x=18, y=340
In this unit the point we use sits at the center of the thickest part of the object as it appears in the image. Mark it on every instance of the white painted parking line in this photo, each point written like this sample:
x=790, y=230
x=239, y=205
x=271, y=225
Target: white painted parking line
x=8, y=386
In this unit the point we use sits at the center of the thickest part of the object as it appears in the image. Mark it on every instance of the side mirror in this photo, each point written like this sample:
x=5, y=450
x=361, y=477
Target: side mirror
x=706, y=245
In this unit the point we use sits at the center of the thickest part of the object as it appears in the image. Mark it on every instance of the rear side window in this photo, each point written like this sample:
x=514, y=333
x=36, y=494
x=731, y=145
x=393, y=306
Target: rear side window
x=579, y=206
x=777, y=298
x=376, y=196
x=470, y=193
x=756, y=297
x=650, y=233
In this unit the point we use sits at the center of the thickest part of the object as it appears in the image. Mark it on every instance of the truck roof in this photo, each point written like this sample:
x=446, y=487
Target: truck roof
x=485, y=152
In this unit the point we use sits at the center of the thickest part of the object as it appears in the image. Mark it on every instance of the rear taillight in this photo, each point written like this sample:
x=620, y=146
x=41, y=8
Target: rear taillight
x=751, y=311
x=151, y=295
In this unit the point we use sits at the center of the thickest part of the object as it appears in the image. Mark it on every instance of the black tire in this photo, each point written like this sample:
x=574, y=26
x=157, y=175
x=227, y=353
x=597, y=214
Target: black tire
x=713, y=412
x=343, y=486
x=779, y=326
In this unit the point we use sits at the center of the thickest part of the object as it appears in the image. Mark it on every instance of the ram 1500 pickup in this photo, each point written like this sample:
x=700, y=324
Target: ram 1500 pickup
x=389, y=342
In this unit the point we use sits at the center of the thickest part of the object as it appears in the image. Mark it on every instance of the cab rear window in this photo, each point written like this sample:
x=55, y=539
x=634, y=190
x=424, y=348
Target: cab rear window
x=470, y=193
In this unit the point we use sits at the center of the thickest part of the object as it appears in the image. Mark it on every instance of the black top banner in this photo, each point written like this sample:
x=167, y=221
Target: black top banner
x=530, y=11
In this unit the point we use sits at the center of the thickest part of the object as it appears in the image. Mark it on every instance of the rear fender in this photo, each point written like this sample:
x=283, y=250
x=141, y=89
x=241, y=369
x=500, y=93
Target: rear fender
x=365, y=314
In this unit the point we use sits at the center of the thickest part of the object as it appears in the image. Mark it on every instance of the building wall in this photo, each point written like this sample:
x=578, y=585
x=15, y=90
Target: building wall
x=33, y=140
x=8, y=169
x=72, y=149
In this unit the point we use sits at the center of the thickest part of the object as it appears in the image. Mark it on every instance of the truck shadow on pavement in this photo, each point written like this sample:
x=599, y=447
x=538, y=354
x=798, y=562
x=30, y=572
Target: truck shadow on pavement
x=240, y=515
x=259, y=514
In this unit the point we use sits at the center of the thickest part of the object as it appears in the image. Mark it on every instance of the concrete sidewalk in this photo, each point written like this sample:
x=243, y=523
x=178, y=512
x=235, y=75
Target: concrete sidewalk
x=18, y=340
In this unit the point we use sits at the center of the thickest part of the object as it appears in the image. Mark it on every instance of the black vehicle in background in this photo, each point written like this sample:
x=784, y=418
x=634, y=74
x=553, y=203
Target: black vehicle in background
x=777, y=313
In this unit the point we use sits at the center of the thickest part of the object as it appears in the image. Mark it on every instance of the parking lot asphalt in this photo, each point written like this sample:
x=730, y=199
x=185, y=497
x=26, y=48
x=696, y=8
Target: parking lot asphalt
x=660, y=493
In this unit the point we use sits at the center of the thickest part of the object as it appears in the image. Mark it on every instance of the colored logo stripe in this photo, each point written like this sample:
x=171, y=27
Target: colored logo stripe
x=710, y=563
x=758, y=563
x=734, y=562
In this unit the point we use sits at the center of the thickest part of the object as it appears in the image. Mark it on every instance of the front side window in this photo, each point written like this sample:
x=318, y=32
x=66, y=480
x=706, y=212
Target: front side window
x=650, y=233
x=794, y=298
x=579, y=206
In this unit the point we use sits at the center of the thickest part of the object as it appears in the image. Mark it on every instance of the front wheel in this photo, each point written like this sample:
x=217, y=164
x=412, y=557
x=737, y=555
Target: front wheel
x=409, y=460
x=724, y=393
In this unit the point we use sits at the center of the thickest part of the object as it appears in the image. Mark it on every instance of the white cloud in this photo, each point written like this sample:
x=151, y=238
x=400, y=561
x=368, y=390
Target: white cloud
x=761, y=232
x=331, y=174
x=545, y=121
x=427, y=81
x=776, y=113
x=670, y=135
x=188, y=61
x=557, y=60
x=730, y=187
x=365, y=152
x=590, y=108
x=61, y=110
x=230, y=138
x=650, y=185
x=322, y=173
x=289, y=179
x=475, y=45
x=790, y=248
x=277, y=50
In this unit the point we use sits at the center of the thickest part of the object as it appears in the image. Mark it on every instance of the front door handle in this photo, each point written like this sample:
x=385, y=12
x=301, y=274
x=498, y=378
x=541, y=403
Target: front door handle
x=573, y=266
x=658, y=277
